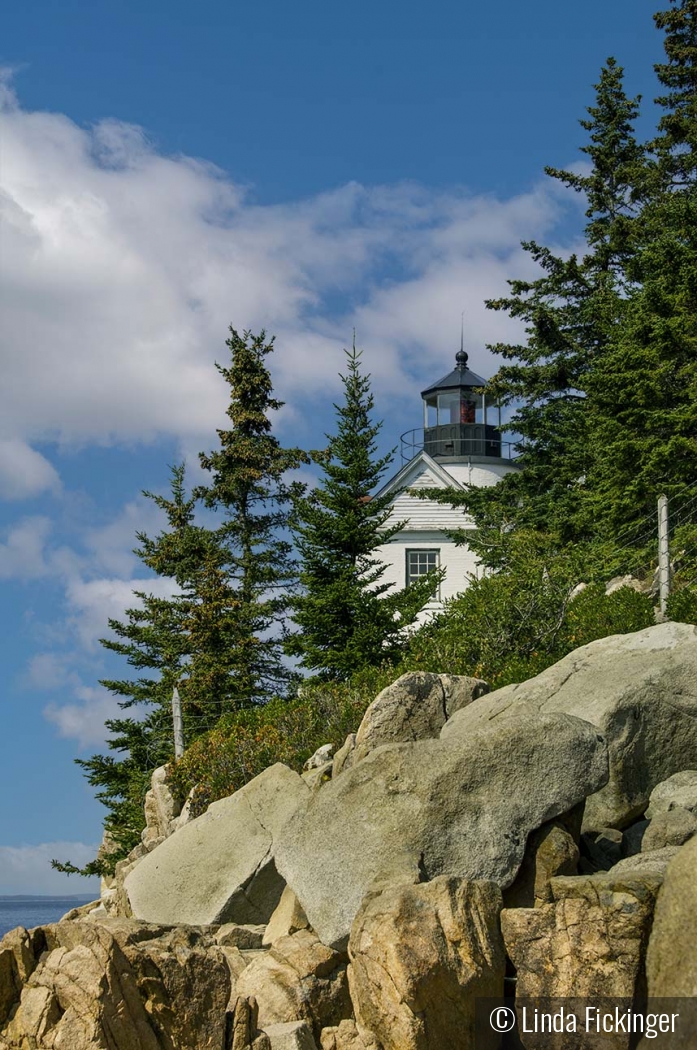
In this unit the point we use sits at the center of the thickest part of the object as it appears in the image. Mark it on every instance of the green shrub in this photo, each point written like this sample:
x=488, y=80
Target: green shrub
x=498, y=630
x=243, y=744
x=682, y=604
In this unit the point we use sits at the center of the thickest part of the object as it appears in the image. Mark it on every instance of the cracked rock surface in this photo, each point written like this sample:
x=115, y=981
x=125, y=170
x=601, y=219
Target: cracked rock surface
x=415, y=707
x=590, y=942
x=463, y=807
x=116, y=985
x=220, y=867
x=639, y=689
x=414, y=949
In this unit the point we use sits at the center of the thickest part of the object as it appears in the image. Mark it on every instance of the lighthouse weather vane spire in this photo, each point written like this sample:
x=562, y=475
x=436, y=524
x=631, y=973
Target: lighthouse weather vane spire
x=461, y=356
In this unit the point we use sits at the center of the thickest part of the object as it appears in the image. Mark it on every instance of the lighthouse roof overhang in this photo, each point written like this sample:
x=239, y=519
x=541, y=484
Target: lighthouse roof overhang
x=402, y=479
x=455, y=380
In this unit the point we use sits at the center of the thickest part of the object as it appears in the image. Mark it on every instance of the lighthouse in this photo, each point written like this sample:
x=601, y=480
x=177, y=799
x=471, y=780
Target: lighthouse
x=459, y=445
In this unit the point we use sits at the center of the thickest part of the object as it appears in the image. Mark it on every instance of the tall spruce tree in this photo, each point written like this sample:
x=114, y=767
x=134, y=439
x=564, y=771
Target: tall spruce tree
x=347, y=617
x=643, y=391
x=570, y=313
x=249, y=486
x=154, y=640
x=675, y=147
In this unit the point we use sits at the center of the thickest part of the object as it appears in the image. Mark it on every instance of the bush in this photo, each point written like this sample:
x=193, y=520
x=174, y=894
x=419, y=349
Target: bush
x=243, y=744
x=509, y=626
x=504, y=628
x=682, y=604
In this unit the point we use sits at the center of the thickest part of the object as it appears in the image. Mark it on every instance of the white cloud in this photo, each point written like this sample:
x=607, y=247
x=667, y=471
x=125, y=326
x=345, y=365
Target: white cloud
x=121, y=269
x=27, y=869
x=111, y=546
x=24, y=471
x=92, y=603
x=84, y=719
x=22, y=552
x=51, y=670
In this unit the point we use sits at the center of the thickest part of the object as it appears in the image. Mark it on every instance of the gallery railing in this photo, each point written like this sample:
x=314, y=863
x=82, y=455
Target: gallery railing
x=458, y=441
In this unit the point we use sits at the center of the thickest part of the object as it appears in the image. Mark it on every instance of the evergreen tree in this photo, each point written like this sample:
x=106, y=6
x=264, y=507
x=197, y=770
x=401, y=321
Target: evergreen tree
x=249, y=486
x=570, y=313
x=675, y=148
x=347, y=616
x=207, y=605
x=643, y=392
x=155, y=643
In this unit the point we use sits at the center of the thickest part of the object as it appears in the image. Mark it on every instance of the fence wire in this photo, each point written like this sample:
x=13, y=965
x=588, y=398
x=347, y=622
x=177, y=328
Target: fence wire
x=633, y=553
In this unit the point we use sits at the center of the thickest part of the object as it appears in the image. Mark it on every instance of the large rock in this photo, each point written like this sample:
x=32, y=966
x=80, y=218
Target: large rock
x=645, y=865
x=671, y=960
x=415, y=707
x=670, y=828
x=346, y=1036
x=19, y=955
x=677, y=792
x=456, y=807
x=420, y=956
x=589, y=943
x=161, y=810
x=119, y=985
x=639, y=689
x=220, y=868
x=299, y=979
x=672, y=956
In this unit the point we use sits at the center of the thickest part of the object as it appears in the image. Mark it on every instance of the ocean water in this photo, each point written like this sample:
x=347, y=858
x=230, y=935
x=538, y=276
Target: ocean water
x=35, y=911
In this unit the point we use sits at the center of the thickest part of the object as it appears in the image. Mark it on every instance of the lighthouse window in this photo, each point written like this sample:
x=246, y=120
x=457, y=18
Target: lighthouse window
x=421, y=562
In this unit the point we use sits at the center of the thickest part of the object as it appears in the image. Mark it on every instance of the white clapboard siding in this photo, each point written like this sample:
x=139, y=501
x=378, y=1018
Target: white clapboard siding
x=459, y=562
x=426, y=514
x=426, y=522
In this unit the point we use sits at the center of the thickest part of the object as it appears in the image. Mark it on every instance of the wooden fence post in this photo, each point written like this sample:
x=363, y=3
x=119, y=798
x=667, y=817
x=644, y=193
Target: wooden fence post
x=663, y=554
x=178, y=725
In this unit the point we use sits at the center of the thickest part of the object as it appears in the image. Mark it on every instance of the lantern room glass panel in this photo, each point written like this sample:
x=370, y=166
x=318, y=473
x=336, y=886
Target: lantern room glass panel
x=458, y=406
x=430, y=411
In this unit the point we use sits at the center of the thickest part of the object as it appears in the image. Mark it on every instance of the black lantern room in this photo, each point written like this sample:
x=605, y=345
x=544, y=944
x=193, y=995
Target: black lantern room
x=457, y=416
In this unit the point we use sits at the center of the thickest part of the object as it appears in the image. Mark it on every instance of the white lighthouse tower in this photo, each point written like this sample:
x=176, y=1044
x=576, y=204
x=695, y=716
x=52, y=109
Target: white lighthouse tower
x=459, y=445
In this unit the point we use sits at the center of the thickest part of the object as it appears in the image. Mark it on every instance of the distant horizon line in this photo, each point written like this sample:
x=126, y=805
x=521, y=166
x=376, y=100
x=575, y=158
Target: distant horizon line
x=44, y=896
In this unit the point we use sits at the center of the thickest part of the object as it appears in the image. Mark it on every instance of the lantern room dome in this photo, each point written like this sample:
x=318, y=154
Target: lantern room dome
x=461, y=376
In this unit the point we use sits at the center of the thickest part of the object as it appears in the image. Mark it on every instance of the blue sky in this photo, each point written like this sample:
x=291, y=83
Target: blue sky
x=168, y=168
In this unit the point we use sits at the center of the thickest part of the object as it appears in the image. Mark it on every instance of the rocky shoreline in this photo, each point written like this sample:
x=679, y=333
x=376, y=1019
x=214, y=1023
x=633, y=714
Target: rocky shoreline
x=537, y=839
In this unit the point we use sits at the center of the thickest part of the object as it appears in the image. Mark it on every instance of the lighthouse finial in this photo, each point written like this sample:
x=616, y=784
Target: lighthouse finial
x=461, y=357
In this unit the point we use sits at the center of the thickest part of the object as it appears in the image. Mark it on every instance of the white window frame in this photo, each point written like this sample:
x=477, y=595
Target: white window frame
x=410, y=578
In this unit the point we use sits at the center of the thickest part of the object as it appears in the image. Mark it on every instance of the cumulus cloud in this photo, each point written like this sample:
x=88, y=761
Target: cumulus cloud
x=22, y=552
x=110, y=546
x=127, y=266
x=83, y=719
x=24, y=471
x=27, y=869
x=92, y=603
